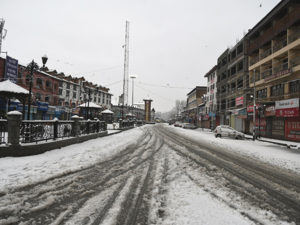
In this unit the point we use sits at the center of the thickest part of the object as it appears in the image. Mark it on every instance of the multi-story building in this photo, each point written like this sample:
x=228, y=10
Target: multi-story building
x=274, y=70
x=238, y=92
x=194, y=104
x=57, y=95
x=211, y=96
x=222, y=68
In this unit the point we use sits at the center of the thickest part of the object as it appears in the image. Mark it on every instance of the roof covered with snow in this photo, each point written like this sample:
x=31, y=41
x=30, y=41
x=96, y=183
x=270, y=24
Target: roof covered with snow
x=107, y=111
x=10, y=87
x=90, y=105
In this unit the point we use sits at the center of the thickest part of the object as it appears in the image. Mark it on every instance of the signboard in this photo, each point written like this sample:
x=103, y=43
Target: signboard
x=42, y=106
x=211, y=114
x=11, y=69
x=292, y=129
x=250, y=108
x=239, y=100
x=287, y=108
x=270, y=111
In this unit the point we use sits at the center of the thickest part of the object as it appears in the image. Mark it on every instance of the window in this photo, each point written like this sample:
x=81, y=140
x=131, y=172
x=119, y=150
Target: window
x=60, y=84
x=240, y=83
x=240, y=66
x=262, y=93
x=39, y=83
x=73, y=105
x=74, y=94
x=60, y=91
x=67, y=93
x=295, y=86
x=68, y=85
x=277, y=90
x=55, y=86
x=47, y=98
x=38, y=97
x=48, y=84
x=66, y=103
x=27, y=79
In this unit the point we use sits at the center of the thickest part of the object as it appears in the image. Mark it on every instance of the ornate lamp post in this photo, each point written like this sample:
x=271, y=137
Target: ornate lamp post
x=44, y=60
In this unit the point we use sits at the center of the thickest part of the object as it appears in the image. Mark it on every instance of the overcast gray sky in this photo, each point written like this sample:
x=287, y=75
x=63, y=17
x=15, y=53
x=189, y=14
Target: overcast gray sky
x=173, y=43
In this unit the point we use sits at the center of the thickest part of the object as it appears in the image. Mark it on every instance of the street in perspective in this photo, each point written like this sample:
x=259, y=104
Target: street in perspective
x=150, y=112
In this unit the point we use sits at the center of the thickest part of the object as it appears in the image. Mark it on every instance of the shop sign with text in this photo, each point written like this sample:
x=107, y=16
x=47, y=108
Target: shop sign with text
x=239, y=100
x=287, y=108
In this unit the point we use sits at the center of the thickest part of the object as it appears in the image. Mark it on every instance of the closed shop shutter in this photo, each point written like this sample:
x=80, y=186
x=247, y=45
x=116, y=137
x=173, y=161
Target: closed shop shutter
x=239, y=124
x=278, y=128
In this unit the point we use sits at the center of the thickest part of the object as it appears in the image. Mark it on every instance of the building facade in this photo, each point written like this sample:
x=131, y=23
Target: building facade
x=194, y=105
x=211, y=97
x=274, y=71
x=57, y=95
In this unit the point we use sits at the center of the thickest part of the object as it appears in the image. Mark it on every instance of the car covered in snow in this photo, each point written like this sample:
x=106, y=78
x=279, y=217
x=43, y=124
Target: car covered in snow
x=227, y=131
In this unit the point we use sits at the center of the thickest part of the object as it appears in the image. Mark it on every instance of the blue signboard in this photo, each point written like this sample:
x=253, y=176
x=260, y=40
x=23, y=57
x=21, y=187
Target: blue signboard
x=11, y=69
x=211, y=114
x=42, y=106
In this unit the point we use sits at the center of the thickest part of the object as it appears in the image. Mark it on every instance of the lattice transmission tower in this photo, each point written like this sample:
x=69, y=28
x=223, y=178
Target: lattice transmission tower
x=126, y=63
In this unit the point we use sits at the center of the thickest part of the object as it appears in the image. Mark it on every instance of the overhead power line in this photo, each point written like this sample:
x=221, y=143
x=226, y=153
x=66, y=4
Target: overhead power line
x=163, y=86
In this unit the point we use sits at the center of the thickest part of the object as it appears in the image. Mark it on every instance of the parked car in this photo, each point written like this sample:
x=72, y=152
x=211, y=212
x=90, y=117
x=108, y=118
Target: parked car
x=227, y=131
x=189, y=126
x=178, y=124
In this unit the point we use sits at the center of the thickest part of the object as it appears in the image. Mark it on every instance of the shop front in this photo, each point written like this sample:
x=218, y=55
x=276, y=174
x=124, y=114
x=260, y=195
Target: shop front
x=287, y=113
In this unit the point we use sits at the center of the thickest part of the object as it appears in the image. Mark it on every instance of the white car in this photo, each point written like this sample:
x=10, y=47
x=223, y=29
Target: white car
x=227, y=131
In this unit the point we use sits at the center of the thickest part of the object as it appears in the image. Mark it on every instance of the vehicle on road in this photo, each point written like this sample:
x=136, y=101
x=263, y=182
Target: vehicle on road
x=178, y=124
x=189, y=126
x=227, y=131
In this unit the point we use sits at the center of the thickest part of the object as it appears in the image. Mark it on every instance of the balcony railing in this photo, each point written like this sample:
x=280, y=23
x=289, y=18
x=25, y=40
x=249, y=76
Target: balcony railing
x=295, y=61
x=279, y=45
x=266, y=53
x=266, y=73
x=281, y=67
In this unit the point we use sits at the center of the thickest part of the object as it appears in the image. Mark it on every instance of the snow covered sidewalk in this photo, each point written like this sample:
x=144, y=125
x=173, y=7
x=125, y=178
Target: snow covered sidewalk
x=22, y=171
x=271, y=153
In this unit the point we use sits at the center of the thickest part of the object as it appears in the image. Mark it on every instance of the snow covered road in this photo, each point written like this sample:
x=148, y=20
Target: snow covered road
x=154, y=174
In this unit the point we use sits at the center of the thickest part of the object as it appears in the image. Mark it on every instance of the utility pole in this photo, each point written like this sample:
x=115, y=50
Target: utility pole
x=254, y=107
x=126, y=63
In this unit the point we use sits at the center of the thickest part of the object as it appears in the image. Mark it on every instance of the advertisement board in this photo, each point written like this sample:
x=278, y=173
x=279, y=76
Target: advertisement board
x=287, y=108
x=11, y=69
x=292, y=129
x=239, y=101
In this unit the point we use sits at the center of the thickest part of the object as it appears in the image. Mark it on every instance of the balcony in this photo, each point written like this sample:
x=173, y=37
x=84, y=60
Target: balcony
x=295, y=61
x=281, y=67
x=265, y=53
x=266, y=73
x=254, y=60
x=279, y=45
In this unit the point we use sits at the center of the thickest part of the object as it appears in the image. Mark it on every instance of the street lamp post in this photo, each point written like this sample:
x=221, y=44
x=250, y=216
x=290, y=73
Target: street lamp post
x=254, y=108
x=133, y=77
x=44, y=60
